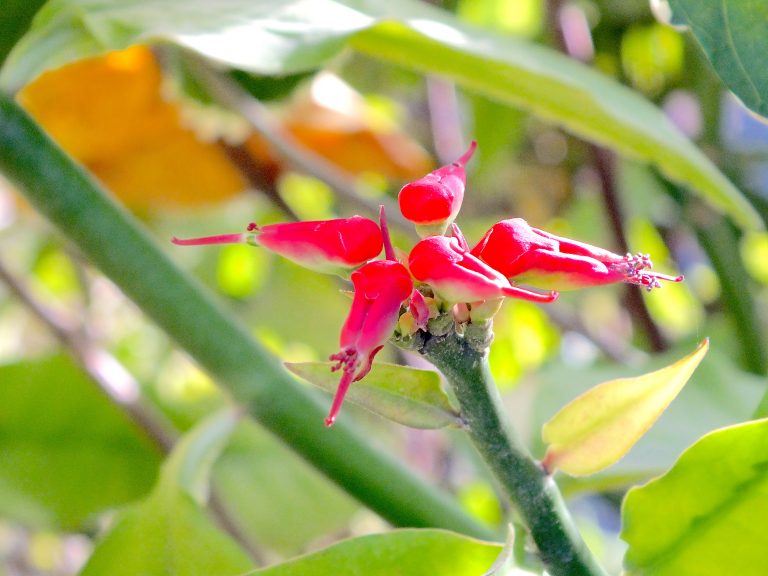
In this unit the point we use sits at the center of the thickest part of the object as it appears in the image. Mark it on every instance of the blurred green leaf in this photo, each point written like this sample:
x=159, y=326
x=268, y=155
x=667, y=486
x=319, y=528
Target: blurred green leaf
x=706, y=516
x=278, y=37
x=15, y=18
x=720, y=395
x=169, y=533
x=400, y=552
x=732, y=35
x=189, y=467
x=276, y=498
x=409, y=396
x=599, y=427
x=66, y=452
x=652, y=56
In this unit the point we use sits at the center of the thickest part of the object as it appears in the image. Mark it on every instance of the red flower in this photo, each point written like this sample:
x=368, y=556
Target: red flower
x=536, y=257
x=324, y=245
x=381, y=287
x=457, y=276
x=433, y=202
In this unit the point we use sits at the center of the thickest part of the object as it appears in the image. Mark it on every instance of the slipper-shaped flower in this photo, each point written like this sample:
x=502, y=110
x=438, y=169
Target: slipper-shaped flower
x=331, y=246
x=531, y=256
x=458, y=276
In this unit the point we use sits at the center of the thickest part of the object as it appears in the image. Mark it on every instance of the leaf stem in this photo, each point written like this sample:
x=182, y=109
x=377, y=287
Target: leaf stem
x=532, y=492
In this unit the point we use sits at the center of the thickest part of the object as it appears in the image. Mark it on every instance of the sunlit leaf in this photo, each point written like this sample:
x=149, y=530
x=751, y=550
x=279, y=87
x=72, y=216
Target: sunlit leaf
x=600, y=426
x=169, y=532
x=400, y=552
x=66, y=452
x=706, y=516
x=279, y=37
x=720, y=395
x=406, y=395
x=732, y=35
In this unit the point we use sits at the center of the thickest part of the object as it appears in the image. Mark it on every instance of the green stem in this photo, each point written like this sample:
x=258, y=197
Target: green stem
x=532, y=492
x=115, y=242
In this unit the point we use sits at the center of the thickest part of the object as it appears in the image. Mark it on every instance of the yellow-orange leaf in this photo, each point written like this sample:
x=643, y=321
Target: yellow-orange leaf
x=109, y=113
x=599, y=427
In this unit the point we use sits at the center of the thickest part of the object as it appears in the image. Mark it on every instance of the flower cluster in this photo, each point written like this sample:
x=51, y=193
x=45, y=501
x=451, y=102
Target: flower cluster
x=443, y=274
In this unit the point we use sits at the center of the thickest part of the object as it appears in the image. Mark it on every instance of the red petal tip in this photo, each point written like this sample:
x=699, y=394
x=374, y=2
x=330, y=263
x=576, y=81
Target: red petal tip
x=467, y=156
x=329, y=421
x=220, y=239
x=553, y=295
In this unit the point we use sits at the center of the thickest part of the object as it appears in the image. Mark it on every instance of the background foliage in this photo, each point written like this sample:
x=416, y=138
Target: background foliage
x=127, y=89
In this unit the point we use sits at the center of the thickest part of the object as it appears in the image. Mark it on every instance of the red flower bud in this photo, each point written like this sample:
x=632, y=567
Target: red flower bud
x=433, y=202
x=324, y=245
x=381, y=287
x=457, y=276
x=536, y=257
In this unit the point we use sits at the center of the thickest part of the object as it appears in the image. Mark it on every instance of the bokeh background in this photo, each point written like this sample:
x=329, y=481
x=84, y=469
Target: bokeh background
x=70, y=455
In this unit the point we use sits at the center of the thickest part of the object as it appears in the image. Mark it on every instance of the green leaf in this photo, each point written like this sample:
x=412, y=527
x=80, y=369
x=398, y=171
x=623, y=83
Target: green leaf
x=188, y=468
x=732, y=35
x=286, y=37
x=409, y=396
x=275, y=497
x=66, y=452
x=169, y=533
x=720, y=395
x=400, y=552
x=15, y=18
x=599, y=427
x=706, y=516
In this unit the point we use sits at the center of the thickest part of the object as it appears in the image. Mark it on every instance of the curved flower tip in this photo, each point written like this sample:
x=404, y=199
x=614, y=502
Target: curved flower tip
x=458, y=276
x=433, y=201
x=219, y=239
x=381, y=288
x=323, y=245
x=525, y=254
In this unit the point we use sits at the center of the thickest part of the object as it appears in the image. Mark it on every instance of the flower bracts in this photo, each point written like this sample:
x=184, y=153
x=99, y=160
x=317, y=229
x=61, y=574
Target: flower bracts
x=443, y=276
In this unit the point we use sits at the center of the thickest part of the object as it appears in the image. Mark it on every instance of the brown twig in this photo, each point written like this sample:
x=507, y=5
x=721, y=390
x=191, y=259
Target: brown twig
x=603, y=162
x=258, y=175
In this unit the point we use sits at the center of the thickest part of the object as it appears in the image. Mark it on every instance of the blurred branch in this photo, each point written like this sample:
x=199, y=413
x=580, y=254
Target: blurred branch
x=720, y=241
x=572, y=35
x=257, y=175
x=604, y=161
x=119, y=385
x=229, y=94
x=614, y=349
x=445, y=118
x=104, y=369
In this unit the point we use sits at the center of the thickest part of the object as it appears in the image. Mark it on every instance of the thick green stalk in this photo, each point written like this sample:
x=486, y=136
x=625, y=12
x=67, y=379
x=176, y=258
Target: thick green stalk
x=115, y=242
x=533, y=493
